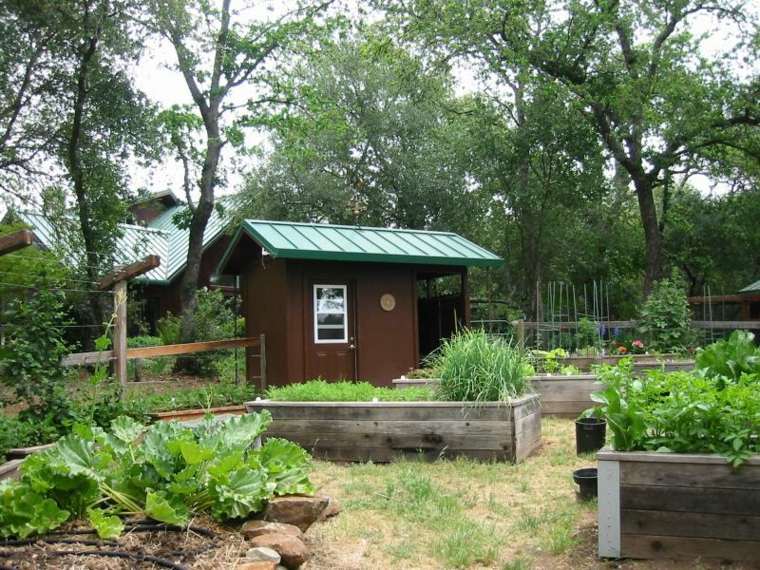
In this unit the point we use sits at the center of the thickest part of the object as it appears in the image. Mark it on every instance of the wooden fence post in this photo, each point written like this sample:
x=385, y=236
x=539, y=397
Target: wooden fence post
x=120, y=332
x=263, y=361
x=520, y=331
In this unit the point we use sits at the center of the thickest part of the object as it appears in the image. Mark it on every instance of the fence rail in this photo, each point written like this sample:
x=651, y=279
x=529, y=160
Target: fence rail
x=103, y=356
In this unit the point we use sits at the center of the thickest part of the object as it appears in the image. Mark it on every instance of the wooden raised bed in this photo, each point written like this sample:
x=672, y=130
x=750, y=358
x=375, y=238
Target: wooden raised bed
x=196, y=414
x=565, y=396
x=670, y=505
x=640, y=361
x=383, y=431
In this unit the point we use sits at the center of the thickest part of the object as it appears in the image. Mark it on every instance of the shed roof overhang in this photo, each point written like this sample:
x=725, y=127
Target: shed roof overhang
x=327, y=242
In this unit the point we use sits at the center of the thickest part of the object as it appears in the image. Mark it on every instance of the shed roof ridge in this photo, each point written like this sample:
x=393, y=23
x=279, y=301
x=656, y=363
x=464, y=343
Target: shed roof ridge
x=348, y=226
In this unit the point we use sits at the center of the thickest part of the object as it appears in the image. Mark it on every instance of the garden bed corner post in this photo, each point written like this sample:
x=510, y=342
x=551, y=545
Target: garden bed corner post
x=609, y=508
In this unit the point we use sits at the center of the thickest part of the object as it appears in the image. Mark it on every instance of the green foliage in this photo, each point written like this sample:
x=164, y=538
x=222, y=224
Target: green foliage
x=213, y=395
x=681, y=412
x=548, y=361
x=587, y=334
x=166, y=471
x=475, y=367
x=665, y=321
x=729, y=359
x=30, y=358
x=168, y=328
x=323, y=391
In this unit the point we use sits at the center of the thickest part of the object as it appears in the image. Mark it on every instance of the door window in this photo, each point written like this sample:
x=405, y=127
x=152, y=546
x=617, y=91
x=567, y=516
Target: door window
x=330, y=314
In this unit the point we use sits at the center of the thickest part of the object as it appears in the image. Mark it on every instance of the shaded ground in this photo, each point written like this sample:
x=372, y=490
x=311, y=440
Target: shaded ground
x=465, y=514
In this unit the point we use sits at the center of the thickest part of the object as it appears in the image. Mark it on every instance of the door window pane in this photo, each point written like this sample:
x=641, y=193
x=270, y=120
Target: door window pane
x=330, y=314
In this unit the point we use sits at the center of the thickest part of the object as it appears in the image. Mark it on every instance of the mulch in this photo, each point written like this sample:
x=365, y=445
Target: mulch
x=204, y=545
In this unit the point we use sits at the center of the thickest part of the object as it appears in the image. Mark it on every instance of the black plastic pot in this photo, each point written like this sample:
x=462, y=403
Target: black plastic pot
x=586, y=479
x=590, y=434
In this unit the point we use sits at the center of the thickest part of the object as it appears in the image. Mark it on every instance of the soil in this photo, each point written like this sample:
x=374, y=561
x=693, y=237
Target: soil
x=184, y=548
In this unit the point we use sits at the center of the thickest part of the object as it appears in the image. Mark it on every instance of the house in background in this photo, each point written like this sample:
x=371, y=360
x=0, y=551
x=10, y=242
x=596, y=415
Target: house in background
x=152, y=231
x=348, y=302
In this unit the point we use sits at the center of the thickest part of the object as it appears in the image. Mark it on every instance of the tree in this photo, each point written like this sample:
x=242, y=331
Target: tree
x=371, y=142
x=218, y=53
x=74, y=119
x=639, y=76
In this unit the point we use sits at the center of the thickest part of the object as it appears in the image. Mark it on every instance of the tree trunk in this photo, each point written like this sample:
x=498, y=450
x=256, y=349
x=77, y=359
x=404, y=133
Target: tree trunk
x=201, y=215
x=652, y=237
x=74, y=166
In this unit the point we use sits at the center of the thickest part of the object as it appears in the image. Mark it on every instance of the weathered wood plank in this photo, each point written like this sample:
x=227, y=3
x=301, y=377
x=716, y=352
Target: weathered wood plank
x=344, y=431
x=607, y=454
x=696, y=525
x=690, y=499
x=658, y=547
x=130, y=271
x=15, y=241
x=691, y=474
x=375, y=412
x=190, y=347
x=9, y=469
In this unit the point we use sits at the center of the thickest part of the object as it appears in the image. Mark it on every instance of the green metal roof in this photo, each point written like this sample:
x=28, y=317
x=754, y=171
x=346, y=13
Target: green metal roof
x=328, y=242
x=754, y=288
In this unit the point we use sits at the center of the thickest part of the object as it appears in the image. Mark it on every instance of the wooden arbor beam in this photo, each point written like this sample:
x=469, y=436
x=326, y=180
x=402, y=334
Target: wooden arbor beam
x=15, y=241
x=130, y=271
x=118, y=280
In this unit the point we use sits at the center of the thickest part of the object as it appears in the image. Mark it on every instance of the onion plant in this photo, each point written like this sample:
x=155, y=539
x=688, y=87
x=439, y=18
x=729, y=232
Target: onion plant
x=474, y=366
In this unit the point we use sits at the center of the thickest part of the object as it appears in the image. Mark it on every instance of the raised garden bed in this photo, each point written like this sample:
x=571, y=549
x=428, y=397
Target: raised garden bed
x=383, y=431
x=669, y=505
x=198, y=413
x=671, y=362
x=565, y=396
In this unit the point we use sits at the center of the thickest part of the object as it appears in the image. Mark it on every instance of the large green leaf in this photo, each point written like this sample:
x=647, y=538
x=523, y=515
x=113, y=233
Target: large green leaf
x=107, y=526
x=158, y=507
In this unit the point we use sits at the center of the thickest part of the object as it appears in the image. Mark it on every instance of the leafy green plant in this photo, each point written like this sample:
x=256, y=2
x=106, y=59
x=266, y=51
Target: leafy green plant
x=213, y=395
x=681, y=412
x=476, y=367
x=323, y=391
x=587, y=335
x=665, y=321
x=549, y=360
x=167, y=472
x=730, y=358
x=168, y=328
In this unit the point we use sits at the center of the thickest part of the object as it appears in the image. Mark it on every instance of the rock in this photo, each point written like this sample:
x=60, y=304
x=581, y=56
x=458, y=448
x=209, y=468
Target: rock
x=262, y=553
x=298, y=510
x=252, y=529
x=332, y=509
x=292, y=550
x=258, y=565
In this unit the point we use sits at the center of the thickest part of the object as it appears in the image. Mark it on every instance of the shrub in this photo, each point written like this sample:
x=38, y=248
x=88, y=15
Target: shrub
x=475, y=367
x=587, y=335
x=30, y=359
x=664, y=320
x=323, y=391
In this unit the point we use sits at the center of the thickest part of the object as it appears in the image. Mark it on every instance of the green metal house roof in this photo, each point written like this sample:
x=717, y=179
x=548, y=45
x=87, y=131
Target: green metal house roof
x=328, y=242
x=753, y=288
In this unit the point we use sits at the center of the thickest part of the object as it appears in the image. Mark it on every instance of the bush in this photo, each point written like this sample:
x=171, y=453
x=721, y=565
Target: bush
x=475, y=367
x=587, y=335
x=680, y=412
x=30, y=359
x=664, y=320
x=323, y=391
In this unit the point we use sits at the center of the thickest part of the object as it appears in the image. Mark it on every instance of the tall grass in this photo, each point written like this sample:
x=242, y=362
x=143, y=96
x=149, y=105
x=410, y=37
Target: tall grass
x=323, y=391
x=477, y=368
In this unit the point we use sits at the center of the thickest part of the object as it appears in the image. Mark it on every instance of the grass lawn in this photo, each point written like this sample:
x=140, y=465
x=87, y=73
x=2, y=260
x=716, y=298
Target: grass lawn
x=463, y=514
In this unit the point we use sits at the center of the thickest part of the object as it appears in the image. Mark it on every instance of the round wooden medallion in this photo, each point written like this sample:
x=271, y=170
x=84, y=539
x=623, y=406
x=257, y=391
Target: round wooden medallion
x=387, y=302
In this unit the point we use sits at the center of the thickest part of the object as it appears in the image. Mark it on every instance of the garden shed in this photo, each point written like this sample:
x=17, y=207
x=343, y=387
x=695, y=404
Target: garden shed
x=349, y=302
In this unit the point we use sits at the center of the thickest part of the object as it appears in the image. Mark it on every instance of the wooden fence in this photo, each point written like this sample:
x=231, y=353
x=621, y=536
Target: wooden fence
x=104, y=356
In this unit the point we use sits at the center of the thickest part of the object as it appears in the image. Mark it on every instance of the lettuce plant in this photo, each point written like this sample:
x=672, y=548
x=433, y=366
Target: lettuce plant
x=167, y=472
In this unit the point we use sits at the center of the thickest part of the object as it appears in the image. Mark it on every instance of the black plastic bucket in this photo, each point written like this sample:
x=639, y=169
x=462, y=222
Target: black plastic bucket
x=586, y=480
x=590, y=434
